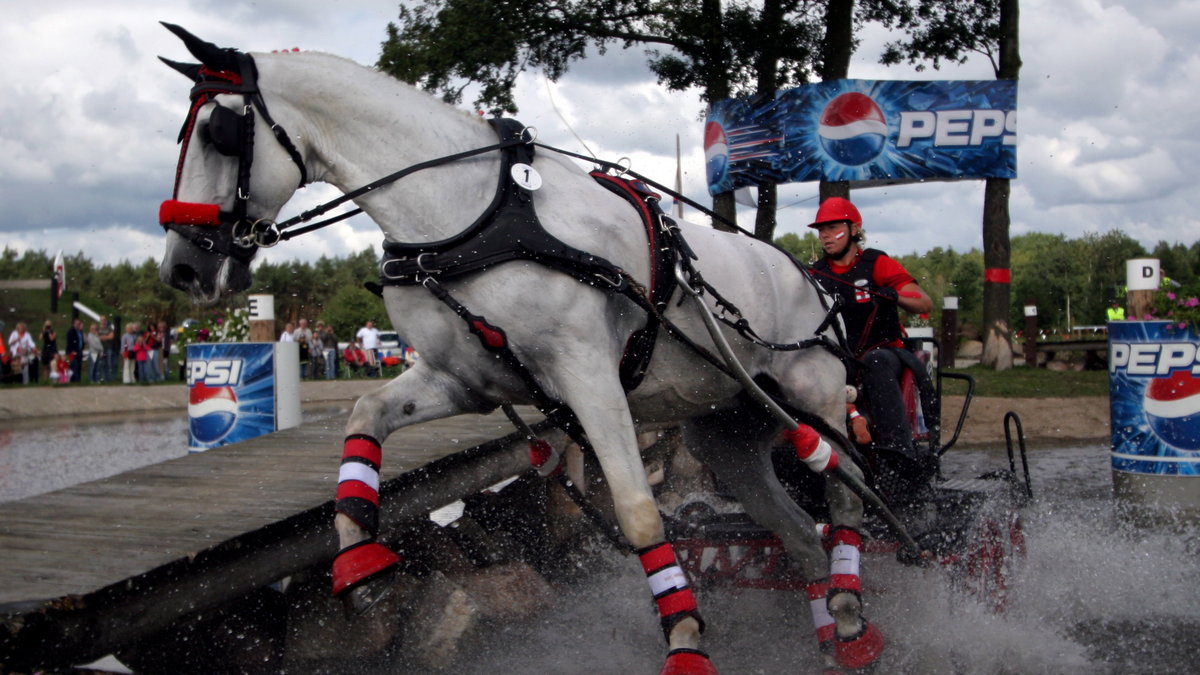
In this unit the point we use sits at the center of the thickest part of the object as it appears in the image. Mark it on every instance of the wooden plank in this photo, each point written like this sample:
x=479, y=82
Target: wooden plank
x=77, y=540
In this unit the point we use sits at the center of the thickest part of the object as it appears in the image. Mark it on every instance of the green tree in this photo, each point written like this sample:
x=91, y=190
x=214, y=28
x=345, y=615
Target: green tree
x=806, y=249
x=349, y=307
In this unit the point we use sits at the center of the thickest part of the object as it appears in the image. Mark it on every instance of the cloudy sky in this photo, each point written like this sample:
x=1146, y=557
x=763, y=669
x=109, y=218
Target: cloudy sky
x=1108, y=105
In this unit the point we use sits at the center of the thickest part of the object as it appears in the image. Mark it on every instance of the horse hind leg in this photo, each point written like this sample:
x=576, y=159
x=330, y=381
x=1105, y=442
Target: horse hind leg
x=737, y=446
x=610, y=432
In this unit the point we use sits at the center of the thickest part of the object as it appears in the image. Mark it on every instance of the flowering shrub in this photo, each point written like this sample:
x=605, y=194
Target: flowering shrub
x=218, y=326
x=1181, y=306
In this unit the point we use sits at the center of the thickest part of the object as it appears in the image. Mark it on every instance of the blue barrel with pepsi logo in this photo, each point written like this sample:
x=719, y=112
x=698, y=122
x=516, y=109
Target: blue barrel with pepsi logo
x=241, y=390
x=1154, y=382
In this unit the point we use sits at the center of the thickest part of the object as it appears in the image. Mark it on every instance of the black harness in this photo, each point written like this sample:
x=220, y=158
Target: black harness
x=509, y=230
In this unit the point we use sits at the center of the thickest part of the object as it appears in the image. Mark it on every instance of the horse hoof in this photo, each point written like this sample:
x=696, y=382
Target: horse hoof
x=363, y=574
x=861, y=650
x=688, y=662
x=368, y=593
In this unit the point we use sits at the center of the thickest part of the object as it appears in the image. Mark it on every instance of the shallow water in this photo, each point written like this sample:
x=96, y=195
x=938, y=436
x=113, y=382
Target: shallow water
x=1091, y=596
x=50, y=454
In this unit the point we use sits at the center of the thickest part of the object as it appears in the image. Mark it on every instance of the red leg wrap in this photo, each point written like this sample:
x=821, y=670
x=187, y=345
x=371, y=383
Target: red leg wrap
x=359, y=562
x=811, y=448
x=862, y=650
x=845, y=546
x=688, y=662
x=358, y=482
x=823, y=623
x=669, y=585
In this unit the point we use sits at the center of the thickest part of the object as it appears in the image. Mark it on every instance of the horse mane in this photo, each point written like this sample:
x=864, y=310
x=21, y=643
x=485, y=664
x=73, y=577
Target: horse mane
x=310, y=74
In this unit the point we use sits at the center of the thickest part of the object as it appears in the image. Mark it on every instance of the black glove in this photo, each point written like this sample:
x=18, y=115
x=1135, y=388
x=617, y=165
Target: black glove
x=887, y=293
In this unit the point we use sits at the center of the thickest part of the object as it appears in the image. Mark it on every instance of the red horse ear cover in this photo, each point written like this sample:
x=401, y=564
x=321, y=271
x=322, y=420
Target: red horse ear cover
x=187, y=213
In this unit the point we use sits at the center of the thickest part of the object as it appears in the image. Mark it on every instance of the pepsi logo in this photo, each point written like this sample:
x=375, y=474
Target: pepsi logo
x=212, y=412
x=716, y=153
x=1172, y=409
x=853, y=130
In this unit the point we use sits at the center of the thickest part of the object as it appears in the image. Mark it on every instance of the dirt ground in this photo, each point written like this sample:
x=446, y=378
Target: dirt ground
x=1043, y=419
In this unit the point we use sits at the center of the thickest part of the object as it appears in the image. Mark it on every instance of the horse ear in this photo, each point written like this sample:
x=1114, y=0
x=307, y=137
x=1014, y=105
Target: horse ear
x=209, y=54
x=189, y=70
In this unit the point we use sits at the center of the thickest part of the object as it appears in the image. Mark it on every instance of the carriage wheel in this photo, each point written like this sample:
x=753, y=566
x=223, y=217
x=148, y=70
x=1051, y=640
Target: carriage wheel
x=985, y=569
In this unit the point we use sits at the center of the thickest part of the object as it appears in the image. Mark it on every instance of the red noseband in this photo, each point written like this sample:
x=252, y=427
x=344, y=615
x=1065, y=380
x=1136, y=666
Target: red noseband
x=188, y=213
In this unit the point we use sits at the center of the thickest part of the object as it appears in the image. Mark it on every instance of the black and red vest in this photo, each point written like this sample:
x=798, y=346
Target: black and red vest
x=869, y=324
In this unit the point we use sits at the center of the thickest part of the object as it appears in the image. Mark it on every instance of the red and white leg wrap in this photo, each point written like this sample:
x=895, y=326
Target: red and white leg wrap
x=358, y=482
x=545, y=458
x=811, y=448
x=818, y=601
x=358, y=562
x=844, y=554
x=688, y=662
x=669, y=585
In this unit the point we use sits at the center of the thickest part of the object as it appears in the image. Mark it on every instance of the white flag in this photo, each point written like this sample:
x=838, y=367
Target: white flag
x=60, y=275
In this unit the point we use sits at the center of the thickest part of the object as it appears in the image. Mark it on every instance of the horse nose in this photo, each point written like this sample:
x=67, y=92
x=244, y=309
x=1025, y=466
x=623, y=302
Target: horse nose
x=180, y=276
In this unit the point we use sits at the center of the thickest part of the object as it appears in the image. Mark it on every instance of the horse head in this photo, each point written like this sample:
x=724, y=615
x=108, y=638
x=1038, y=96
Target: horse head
x=228, y=188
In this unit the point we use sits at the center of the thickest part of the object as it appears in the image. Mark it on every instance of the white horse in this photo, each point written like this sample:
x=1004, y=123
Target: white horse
x=317, y=117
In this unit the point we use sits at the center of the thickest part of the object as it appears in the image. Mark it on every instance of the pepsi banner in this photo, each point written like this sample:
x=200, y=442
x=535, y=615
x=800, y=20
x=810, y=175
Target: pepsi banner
x=237, y=391
x=864, y=131
x=1154, y=381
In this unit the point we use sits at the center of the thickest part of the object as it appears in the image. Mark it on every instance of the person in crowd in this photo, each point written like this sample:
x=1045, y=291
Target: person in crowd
x=369, y=335
x=305, y=355
x=75, y=348
x=316, y=351
x=49, y=345
x=152, y=343
x=22, y=351
x=60, y=371
x=302, y=329
x=129, y=341
x=329, y=339
x=361, y=359
x=164, y=351
x=286, y=335
x=95, y=352
x=108, y=338
x=1115, y=311
x=141, y=356
x=872, y=287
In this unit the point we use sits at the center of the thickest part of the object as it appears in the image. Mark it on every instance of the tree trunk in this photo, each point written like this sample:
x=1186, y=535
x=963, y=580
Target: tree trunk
x=836, y=50
x=716, y=87
x=768, y=82
x=997, y=343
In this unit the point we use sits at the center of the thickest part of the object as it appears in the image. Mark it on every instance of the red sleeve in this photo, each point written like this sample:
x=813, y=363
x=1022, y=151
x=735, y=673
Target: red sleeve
x=890, y=273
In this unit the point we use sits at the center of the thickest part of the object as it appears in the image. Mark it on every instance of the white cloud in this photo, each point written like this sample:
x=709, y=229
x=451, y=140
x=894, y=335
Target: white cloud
x=88, y=118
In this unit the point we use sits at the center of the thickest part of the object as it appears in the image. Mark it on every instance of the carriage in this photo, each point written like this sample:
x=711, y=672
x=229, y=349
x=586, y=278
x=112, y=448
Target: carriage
x=526, y=280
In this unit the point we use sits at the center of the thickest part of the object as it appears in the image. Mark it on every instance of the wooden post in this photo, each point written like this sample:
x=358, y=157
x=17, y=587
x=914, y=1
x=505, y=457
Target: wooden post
x=1142, y=278
x=1031, y=332
x=949, y=331
x=262, y=318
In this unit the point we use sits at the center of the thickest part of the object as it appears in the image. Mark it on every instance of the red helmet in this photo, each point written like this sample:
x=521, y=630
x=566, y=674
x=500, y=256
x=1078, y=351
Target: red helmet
x=836, y=210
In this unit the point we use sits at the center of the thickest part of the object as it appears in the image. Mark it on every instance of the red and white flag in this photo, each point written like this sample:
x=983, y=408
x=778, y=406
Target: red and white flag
x=60, y=275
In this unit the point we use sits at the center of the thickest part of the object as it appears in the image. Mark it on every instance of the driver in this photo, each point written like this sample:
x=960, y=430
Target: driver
x=872, y=286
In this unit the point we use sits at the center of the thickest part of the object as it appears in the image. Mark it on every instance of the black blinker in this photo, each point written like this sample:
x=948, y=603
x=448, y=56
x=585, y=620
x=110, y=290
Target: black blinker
x=227, y=131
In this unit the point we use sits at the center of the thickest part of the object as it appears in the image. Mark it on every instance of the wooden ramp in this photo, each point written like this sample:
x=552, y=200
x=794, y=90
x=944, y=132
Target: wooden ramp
x=86, y=569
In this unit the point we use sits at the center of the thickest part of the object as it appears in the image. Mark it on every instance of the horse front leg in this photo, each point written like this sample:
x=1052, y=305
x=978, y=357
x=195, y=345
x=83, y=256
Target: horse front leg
x=416, y=396
x=609, y=427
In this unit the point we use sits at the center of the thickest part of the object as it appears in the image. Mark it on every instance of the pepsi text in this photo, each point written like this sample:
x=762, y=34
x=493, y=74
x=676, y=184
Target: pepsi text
x=1153, y=359
x=215, y=372
x=950, y=128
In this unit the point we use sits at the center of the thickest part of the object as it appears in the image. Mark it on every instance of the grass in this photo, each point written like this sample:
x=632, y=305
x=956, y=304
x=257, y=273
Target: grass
x=1024, y=382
